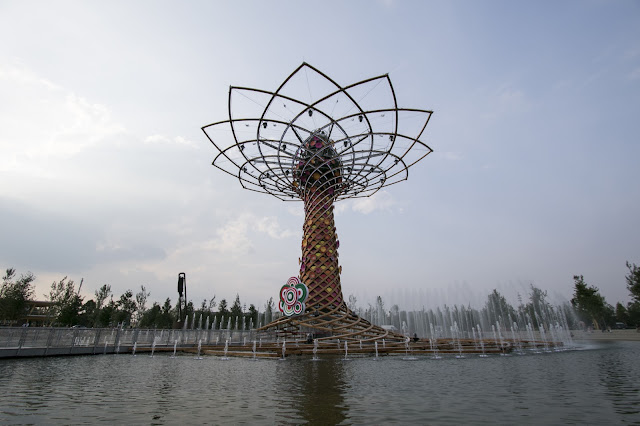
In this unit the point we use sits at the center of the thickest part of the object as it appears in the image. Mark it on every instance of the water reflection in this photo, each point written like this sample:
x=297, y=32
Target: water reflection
x=318, y=389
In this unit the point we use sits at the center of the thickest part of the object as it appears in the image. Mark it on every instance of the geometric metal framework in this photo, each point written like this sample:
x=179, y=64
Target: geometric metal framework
x=315, y=141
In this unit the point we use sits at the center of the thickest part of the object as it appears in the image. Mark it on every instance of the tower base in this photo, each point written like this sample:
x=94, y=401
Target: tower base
x=332, y=323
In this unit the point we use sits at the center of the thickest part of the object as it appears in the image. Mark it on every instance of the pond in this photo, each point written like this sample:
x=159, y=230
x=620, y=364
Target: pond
x=598, y=383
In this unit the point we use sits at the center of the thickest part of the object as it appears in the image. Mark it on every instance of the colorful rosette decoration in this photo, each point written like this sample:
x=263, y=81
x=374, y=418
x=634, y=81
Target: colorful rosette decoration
x=292, y=297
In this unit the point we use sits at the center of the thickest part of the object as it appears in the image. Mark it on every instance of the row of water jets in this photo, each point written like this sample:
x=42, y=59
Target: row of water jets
x=240, y=323
x=479, y=344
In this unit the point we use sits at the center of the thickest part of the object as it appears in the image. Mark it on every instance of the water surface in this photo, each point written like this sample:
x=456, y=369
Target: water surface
x=597, y=385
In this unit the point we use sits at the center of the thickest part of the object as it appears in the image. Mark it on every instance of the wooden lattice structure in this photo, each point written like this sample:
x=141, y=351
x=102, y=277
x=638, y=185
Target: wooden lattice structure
x=341, y=142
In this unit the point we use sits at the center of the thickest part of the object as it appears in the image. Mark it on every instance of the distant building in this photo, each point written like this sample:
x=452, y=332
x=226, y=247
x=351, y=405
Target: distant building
x=38, y=313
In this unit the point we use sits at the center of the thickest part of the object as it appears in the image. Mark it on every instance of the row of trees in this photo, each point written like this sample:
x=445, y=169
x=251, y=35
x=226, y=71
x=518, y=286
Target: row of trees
x=592, y=308
x=166, y=317
x=68, y=308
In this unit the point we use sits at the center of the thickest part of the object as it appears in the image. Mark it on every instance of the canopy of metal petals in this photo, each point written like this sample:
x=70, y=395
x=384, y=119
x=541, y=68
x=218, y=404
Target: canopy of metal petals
x=354, y=140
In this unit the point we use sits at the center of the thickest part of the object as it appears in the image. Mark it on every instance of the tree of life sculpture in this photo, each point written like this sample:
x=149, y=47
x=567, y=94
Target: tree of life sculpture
x=316, y=141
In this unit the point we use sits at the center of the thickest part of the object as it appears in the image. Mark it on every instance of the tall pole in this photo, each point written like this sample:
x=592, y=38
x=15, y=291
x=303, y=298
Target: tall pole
x=182, y=289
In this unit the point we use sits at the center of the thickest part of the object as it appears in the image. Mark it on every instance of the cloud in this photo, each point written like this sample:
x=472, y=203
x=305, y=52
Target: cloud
x=41, y=121
x=33, y=236
x=233, y=237
x=381, y=200
x=450, y=155
x=136, y=252
x=162, y=139
x=635, y=74
x=503, y=101
x=271, y=227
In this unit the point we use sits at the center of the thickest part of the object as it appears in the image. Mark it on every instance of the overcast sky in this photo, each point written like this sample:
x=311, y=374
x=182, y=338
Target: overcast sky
x=106, y=175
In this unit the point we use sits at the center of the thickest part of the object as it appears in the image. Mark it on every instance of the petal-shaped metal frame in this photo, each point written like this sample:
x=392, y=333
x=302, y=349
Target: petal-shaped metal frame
x=370, y=158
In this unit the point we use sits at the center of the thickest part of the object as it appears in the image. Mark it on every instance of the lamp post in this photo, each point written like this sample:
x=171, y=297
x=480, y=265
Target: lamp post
x=182, y=289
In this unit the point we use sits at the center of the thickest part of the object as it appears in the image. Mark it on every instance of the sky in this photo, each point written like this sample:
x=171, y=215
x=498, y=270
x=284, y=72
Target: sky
x=106, y=175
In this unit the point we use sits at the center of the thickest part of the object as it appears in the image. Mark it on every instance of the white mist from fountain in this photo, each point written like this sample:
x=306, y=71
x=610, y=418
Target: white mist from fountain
x=199, y=349
x=535, y=349
x=284, y=349
x=406, y=351
x=175, y=347
x=254, y=350
x=153, y=347
x=475, y=338
x=226, y=349
x=135, y=345
x=433, y=343
x=515, y=338
x=376, y=347
x=543, y=335
x=483, y=354
x=495, y=336
x=502, y=343
x=315, y=350
x=456, y=335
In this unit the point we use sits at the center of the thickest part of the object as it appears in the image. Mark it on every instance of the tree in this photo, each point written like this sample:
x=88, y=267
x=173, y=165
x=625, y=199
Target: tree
x=167, y=318
x=222, y=312
x=101, y=319
x=621, y=313
x=236, y=308
x=67, y=306
x=141, y=302
x=253, y=314
x=151, y=317
x=590, y=306
x=497, y=309
x=633, y=282
x=268, y=310
x=14, y=294
x=125, y=308
x=538, y=309
x=87, y=313
x=633, y=285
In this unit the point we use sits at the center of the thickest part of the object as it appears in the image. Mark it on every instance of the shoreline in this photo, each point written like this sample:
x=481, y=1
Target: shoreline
x=631, y=335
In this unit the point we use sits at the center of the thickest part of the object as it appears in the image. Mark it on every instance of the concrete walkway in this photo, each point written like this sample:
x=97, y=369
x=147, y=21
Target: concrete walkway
x=597, y=335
